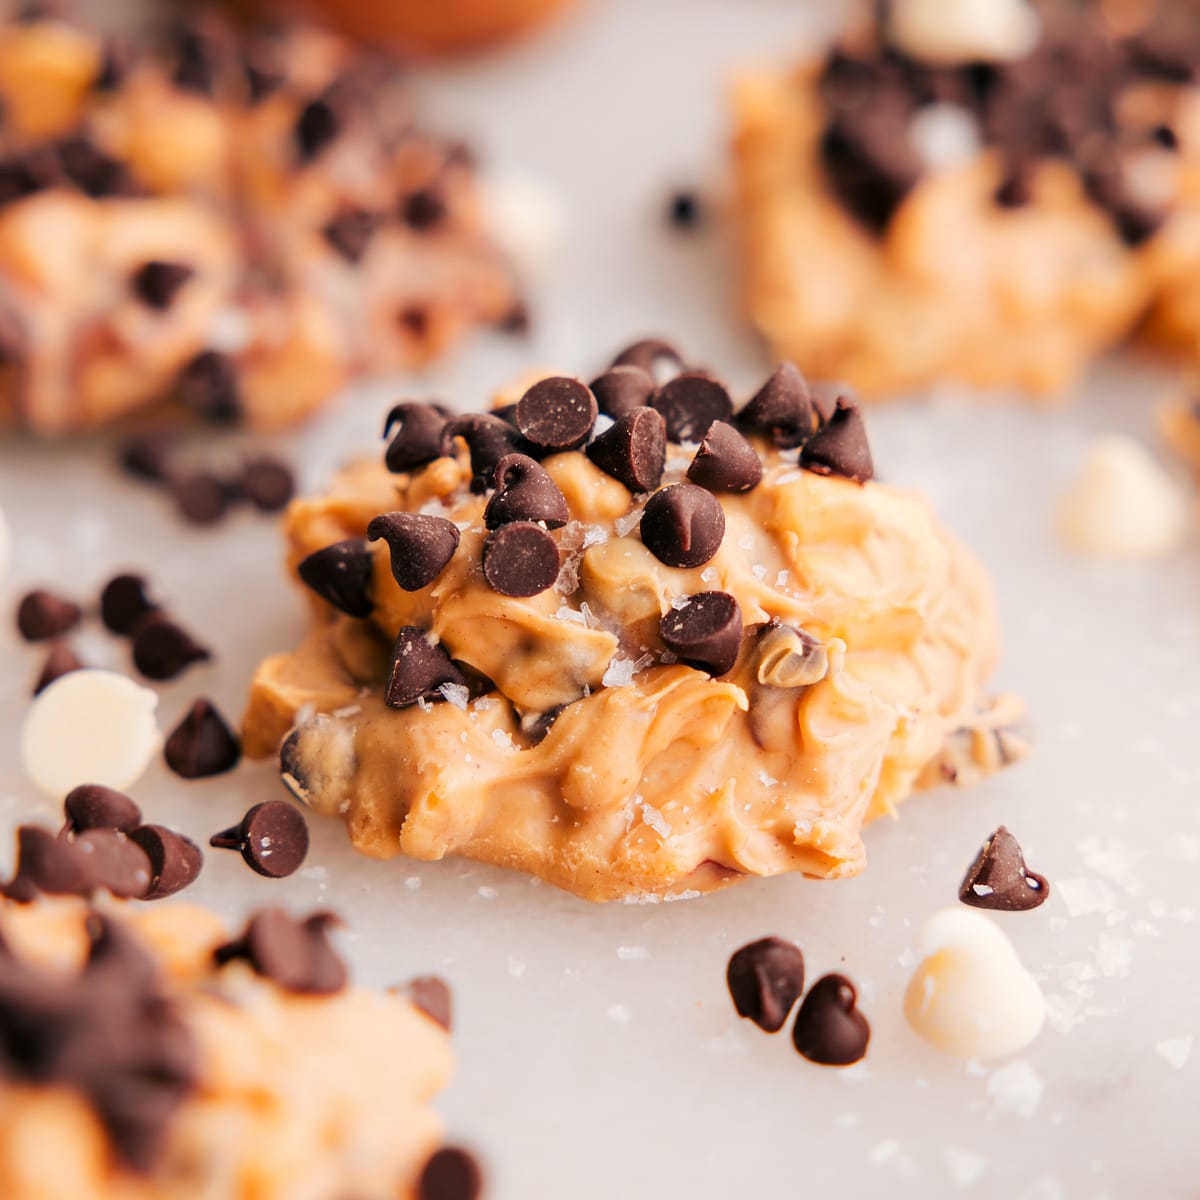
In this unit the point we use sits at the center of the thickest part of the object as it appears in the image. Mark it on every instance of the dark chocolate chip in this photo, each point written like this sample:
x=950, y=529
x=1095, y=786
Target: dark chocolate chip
x=208, y=387
x=163, y=649
x=450, y=1174
x=421, y=546
x=114, y=64
x=706, y=632
x=414, y=320
x=433, y=997
x=272, y=838
x=92, y=171
x=781, y=410
x=93, y=806
x=999, y=879
x=840, y=446
x=516, y=318
x=317, y=126
x=350, y=233
x=202, y=744
x=195, y=68
x=683, y=525
x=1016, y=189
x=341, y=575
x=42, y=615
x=201, y=498
x=419, y=668
x=520, y=560
x=683, y=210
x=156, y=283
x=124, y=602
x=175, y=860
x=765, y=979
x=621, y=389
x=536, y=725
x=114, y=861
x=293, y=954
x=725, y=461
x=557, y=413
x=268, y=483
x=659, y=359
x=634, y=450
x=266, y=70
x=147, y=457
x=26, y=174
x=870, y=162
x=829, y=1028
x=525, y=492
x=46, y=865
x=489, y=439
x=690, y=403
x=60, y=660
x=420, y=436
x=1165, y=137
x=423, y=209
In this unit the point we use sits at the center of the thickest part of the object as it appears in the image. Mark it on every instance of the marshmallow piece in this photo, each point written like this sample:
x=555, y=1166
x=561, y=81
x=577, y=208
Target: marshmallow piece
x=1124, y=504
x=527, y=219
x=957, y=31
x=970, y=996
x=89, y=727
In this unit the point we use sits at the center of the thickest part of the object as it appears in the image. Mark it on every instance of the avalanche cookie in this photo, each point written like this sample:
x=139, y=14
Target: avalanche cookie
x=146, y=1054
x=541, y=643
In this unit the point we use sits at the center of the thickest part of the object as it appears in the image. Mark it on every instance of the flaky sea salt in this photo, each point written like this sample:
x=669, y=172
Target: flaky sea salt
x=632, y=953
x=456, y=693
x=758, y=571
x=619, y=672
x=487, y=893
x=781, y=580
x=594, y=535
x=1175, y=1051
x=566, y=613
x=621, y=1013
x=624, y=525
x=1016, y=1088
x=655, y=820
x=709, y=575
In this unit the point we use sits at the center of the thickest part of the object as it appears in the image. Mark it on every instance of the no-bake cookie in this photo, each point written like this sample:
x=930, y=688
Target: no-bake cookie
x=626, y=640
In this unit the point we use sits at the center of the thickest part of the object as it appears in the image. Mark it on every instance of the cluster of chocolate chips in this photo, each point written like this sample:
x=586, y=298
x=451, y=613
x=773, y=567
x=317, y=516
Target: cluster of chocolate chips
x=1060, y=101
x=998, y=879
x=766, y=978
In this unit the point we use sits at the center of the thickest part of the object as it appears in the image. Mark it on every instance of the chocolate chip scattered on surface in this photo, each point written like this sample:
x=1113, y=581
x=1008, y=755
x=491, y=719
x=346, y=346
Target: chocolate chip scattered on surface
x=829, y=1027
x=42, y=615
x=124, y=601
x=163, y=649
x=999, y=879
x=272, y=838
x=202, y=744
x=765, y=979
x=451, y=1174
x=60, y=660
x=294, y=954
x=433, y=997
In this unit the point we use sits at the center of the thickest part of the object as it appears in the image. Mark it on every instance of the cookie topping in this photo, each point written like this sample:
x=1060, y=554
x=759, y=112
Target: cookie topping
x=163, y=649
x=341, y=575
x=520, y=559
x=175, y=860
x=201, y=498
x=47, y=865
x=208, y=387
x=92, y=806
x=202, y=744
x=267, y=483
x=634, y=450
x=124, y=602
x=690, y=403
x=725, y=461
x=92, y=171
x=350, y=233
x=659, y=359
x=621, y=389
x=433, y=997
x=683, y=210
x=840, y=446
x=60, y=660
x=421, y=546
x=295, y=955
x=829, y=1028
x=451, y=1174
x=424, y=208
x=147, y=456
x=706, y=632
x=999, y=879
x=272, y=838
x=525, y=492
x=765, y=979
x=419, y=669
x=42, y=615
x=781, y=410
x=156, y=283
x=317, y=126
x=683, y=525
x=870, y=162
x=557, y=413
x=113, y=861
x=489, y=439
x=789, y=657
x=420, y=436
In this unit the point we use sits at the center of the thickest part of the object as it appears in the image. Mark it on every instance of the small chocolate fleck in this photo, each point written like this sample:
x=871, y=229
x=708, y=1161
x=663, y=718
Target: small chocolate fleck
x=840, y=446
x=781, y=410
x=295, y=955
x=93, y=806
x=350, y=233
x=998, y=879
x=208, y=387
x=525, y=492
x=114, y=861
x=202, y=744
x=42, y=615
x=147, y=457
x=272, y=838
x=725, y=461
x=60, y=660
x=424, y=209
x=420, y=436
x=690, y=403
x=557, y=413
x=520, y=560
x=175, y=860
x=659, y=359
x=201, y=498
x=419, y=668
x=683, y=525
x=829, y=1028
x=163, y=649
x=684, y=210
x=156, y=283
x=450, y=1174
x=124, y=602
x=433, y=997
x=421, y=546
x=341, y=575
x=317, y=126
x=267, y=483
x=706, y=632
x=634, y=450
x=765, y=979
x=621, y=389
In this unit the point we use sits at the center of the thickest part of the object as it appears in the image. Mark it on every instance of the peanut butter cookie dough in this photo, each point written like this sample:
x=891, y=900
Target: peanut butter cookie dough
x=625, y=640
x=239, y=223
x=149, y=1057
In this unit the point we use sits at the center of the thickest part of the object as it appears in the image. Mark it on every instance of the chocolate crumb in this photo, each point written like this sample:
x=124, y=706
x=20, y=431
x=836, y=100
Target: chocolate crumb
x=156, y=283
x=60, y=660
x=295, y=955
x=998, y=879
x=706, y=632
x=450, y=1174
x=341, y=575
x=202, y=744
x=683, y=525
x=163, y=649
x=421, y=546
x=520, y=560
x=725, y=461
x=267, y=483
x=525, y=492
x=690, y=403
x=634, y=450
x=124, y=602
x=419, y=669
x=93, y=806
x=829, y=1028
x=840, y=446
x=765, y=979
x=433, y=997
x=175, y=860
x=42, y=615
x=272, y=838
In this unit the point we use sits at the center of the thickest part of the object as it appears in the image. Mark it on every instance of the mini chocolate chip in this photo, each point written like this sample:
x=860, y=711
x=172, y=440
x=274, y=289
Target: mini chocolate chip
x=93, y=806
x=781, y=410
x=1165, y=137
x=147, y=457
x=433, y=997
x=690, y=403
x=421, y=546
x=525, y=492
x=156, y=283
x=489, y=439
x=621, y=389
x=840, y=446
x=999, y=879
x=272, y=838
x=46, y=865
x=725, y=461
x=293, y=954
x=60, y=660
x=706, y=632
x=42, y=615
x=267, y=483
x=634, y=450
x=317, y=126
x=419, y=668
x=350, y=233
x=114, y=64
x=24, y=175
x=175, y=860
x=194, y=66
x=163, y=649
x=450, y=1174
x=557, y=413
x=516, y=318
x=414, y=320
x=420, y=437
x=829, y=1028
x=341, y=575
x=1016, y=189
x=201, y=498
x=520, y=560
x=683, y=210
x=266, y=69
x=124, y=602
x=659, y=359
x=424, y=208
x=208, y=387
x=202, y=744
x=765, y=979
x=92, y=171
x=114, y=861
x=870, y=162
x=683, y=525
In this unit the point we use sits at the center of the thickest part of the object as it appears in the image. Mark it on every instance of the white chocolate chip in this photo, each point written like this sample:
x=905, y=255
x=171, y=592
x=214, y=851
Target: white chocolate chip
x=956, y=31
x=89, y=727
x=945, y=136
x=527, y=219
x=1124, y=504
x=970, y=996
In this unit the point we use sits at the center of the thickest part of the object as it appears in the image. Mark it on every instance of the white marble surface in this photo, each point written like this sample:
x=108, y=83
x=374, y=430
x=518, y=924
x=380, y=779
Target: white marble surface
x=599, y=1056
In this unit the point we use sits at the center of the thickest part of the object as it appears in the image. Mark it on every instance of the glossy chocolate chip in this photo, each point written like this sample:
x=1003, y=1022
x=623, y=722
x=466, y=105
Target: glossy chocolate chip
x=163, y=649
x=201, y=498
x=659, y=359
x=998, y=879
x=60, y=660
x=621, y=389
x=520, y=560
x=690, y=403
x=634, y=450
x=295, y=955
x=840, y=446
x=725, y=461
x=341, y=575
x=525, y=492
x=42, y=615
x=557, y=413
x=175, y=860
x=433, y=997
x=156, y=283
x=316, y=128
x=267, y=483
x=208, y=387
x=115, y=862
x=350, y=233
x=272, y=838
x=124, y=602
x=829, y=1028
x=93, y=806
x=202, y=744
x=46, y=865
x=781, y=410
x=765, y=979
x=489, y=439
x=421, y=546
x=419, y=668
x=450, y=1174
x=706, y=631
x=420, y=436
x=683, y=525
